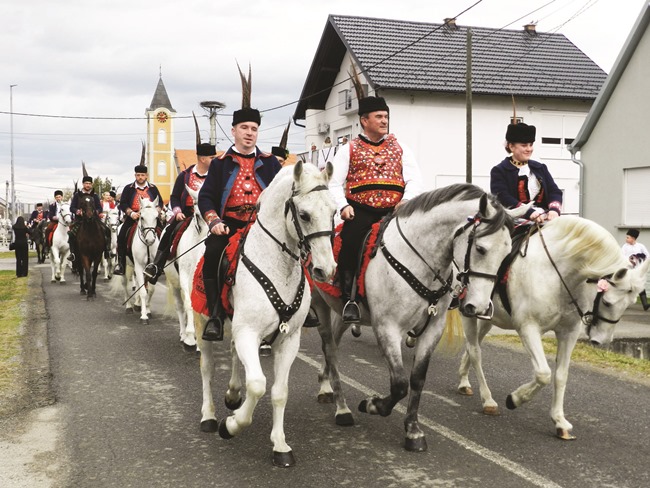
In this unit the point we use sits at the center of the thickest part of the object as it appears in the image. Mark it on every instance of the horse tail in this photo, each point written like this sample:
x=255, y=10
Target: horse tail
x=453, y=337
x=170, y=305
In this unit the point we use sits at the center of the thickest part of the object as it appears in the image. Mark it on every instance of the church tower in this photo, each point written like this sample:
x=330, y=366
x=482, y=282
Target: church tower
x=160, y=141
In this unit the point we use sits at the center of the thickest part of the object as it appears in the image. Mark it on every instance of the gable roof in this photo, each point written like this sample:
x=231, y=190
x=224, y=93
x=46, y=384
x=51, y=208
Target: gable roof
x=636, y=34
x=405, y=55
x=160, y=98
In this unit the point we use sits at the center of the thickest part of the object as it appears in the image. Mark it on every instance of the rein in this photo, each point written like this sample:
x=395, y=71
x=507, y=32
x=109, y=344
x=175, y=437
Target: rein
x=589, y=318
x=464, y=275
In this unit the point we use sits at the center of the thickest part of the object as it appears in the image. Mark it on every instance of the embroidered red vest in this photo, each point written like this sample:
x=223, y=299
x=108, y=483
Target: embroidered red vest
x=135, y=205
x=375, y=174
x=195, y=182
x=39, y=216
x=245, y=190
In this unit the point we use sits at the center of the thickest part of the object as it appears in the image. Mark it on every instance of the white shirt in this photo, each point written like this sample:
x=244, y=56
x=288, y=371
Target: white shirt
x=632, y=249
x=341, y=162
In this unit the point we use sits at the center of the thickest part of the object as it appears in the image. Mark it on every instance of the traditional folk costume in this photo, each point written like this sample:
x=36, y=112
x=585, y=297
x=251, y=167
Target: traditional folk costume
x=129, y=203
x=181, y=202
x=53, y=214
x=229, y=195
x=37, y=216
x=377, y=176
x=517, y=183
x=74, y=206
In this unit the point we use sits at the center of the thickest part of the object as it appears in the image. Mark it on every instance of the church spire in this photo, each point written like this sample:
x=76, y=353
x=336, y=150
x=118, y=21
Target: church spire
x=160, y=97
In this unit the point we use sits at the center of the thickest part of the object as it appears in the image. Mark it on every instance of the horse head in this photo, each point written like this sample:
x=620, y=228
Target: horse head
x=148, y=220
x=65, y=216
x=113, y=219
x=481, y=245
x=87, y=206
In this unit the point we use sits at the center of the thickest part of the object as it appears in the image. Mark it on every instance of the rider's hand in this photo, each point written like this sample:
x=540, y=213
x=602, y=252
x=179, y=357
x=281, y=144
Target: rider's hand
x=347, y=213
x=552, y=214
x=134, y=215
x=180, y=216
x=220, y=229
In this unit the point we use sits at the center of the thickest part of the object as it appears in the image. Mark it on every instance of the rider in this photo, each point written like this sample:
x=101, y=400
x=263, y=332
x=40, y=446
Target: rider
x=53, y=214
x=227, y=202
x=37, y=215
x=86, y=189
x=108, y=201
x=379, y=174
x=518, y=180
x=182, y=206
x=130, y=206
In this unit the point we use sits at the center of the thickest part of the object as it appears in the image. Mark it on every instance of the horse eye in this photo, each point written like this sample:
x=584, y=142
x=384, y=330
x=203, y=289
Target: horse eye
x=304, y=216
x=481, y=250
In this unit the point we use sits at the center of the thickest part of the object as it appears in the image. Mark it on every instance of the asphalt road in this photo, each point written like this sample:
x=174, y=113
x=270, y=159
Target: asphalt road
x=129, y=397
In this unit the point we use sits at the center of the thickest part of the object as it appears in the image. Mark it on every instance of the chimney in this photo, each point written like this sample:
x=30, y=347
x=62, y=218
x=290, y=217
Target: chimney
x=451, y=23
x=530, y=28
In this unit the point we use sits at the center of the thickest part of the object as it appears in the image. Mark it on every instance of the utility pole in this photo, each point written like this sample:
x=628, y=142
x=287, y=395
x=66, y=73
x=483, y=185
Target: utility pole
x=468, y=109
x=212, y=108
x=11, y=125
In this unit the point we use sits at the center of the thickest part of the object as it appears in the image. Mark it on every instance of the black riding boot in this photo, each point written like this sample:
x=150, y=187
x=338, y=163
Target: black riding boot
x=214, y=326
x=312, y=319
x=644, y=300
x=120, y=267
x=351, y=313
x=107, y=240
x=72, y=242
x=152, y=271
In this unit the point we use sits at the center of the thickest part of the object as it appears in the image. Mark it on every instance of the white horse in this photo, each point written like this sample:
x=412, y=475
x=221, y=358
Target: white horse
x=407, y=289
x=270, y=297
x=143, y=250
x=573, y=278
x=181, y=274
x=60, y=248
x=112, y=220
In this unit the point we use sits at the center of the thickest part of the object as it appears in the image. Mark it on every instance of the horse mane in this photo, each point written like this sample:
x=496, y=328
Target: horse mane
x=458, y=192
x=585, y=244
x=285, y=177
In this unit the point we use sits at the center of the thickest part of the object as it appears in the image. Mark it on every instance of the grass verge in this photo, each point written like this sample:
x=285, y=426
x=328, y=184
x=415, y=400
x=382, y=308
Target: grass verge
x=12, y=254
x=12, y=294
x=583, y=353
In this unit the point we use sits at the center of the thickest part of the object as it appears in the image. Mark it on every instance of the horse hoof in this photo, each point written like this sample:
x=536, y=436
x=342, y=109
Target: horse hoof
x=233, y=404
x=53, y=280
x=106, y=279
x=137, y=307
x=188, y=348
x=356, y=330
x=466, y=390
x=410, y=341
x=210, y=425
x=419, y=444
x=283, y=459
x=82, y=292
x=326, y=397
x=492, y=411
x=129, y=311
x=149, y=315
x=223, y=431
x=363, y=406
x=345, y=420
x=510, y=404
x=144, y=321
x=565, y=435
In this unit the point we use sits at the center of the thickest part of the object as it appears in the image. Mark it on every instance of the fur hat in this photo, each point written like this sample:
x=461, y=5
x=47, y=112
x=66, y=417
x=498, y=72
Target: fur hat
x=87, y=179
x=141, y=168
x=521, y=133
x=206, y=149
x=246, y=113
x=58, y=192
x=372, y=104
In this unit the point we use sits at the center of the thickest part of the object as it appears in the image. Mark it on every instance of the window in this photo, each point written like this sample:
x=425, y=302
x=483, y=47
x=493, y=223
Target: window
x=551, y=140
x=636, y=198
x=162, y=136
x=162, y=168
x=345, y=101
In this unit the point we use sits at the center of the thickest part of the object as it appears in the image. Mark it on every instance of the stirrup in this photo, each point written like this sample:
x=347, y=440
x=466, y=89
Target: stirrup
x=71, y=257
x=213, y=330
x=118, y=270
x=312, y=319
x=351, y=313
x=150, y=271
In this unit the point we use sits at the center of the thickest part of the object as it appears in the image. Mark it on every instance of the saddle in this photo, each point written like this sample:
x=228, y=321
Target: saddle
x=178, y=233
x=367, y=252
x=519, y=236
x=49, y=232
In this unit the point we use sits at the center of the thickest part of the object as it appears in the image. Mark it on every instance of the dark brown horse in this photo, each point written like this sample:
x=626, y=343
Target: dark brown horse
x=90, y=245
x=37, y=235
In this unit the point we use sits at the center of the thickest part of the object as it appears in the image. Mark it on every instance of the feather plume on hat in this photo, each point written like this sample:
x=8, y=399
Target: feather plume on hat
x=356, y=82
x=196, y=126
x=246, y=87
x=246, y=113
x=281, y=149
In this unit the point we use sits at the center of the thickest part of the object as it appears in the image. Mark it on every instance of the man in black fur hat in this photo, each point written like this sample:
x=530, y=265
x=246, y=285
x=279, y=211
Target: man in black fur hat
x=373, y=174
x=86, y=189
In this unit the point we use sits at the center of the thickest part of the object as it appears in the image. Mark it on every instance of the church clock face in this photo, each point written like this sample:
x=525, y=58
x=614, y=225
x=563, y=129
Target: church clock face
x=162, y=117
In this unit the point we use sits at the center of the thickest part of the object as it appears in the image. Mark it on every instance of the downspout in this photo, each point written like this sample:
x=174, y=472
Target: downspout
x=581, y=178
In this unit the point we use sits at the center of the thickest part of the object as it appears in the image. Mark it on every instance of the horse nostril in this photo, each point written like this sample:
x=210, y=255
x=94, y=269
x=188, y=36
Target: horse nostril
x=318, y=274
x=469, y=310
x=594, y=342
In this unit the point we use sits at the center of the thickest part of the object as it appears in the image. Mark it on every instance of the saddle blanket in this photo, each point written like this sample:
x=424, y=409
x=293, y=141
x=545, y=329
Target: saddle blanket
x=177, y=237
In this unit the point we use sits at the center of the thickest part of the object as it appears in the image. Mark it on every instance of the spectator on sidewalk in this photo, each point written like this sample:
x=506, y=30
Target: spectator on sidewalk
x=636, y=253
x=19, y=241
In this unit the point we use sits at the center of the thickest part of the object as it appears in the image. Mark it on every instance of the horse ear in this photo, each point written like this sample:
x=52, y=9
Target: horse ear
x=155, y=202
x=297, y=170
x=483, y=204
x=329, y=171
x=620, y=274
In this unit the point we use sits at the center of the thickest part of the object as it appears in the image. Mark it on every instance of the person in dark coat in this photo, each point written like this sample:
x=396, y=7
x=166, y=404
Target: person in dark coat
x=227, y=201
x=86, y=189
x=130, y=207
x=19, y=240
x=518, y=180
x=37, y=216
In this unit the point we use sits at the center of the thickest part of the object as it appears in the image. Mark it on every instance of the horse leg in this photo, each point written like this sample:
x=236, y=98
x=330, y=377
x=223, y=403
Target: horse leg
x=247, y=347
x=283, y=359
x=233, y=398
x=415, y=440
x=189, y=335
x=475, y=331
x=532, y=341
x=566, y=341
x=389, y=339
x=55, y=264
x=329, y=378
x=208, y=418
x=95, y=272
x=125, y=287
x=143, y=293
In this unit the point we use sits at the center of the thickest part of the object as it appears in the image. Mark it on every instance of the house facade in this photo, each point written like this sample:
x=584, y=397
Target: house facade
x=420, y=69
x=610, y=145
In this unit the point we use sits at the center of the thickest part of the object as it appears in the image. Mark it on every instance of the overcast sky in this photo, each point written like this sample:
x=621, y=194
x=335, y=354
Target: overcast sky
x=82, y=60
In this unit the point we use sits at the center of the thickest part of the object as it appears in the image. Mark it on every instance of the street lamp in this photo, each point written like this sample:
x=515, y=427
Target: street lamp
x=212, y=108
x=11, y=126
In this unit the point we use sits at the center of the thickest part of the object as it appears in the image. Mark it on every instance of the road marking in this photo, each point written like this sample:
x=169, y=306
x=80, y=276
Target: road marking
x=453, y=436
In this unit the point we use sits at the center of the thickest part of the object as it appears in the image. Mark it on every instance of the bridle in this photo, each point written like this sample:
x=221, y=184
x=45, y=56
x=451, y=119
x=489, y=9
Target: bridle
x=64, y=215
x=143, y=231
x=286, y=311
x=588, y=318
